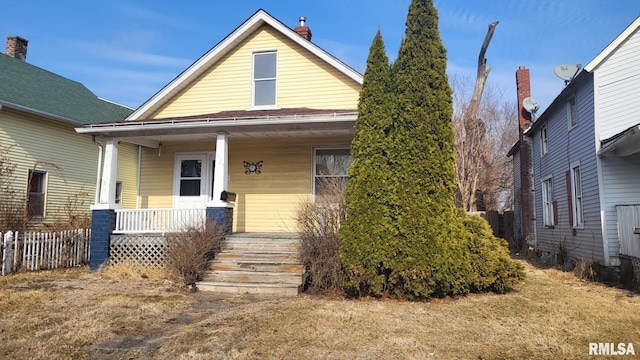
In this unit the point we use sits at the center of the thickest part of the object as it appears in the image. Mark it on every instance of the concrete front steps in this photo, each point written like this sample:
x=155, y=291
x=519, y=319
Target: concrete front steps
x=257, y=263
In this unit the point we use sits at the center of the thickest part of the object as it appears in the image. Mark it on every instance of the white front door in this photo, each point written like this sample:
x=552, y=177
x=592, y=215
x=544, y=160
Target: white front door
x=192, y=180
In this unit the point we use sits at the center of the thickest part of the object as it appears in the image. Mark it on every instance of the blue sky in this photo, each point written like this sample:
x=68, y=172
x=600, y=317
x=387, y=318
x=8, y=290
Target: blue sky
x=126, y=51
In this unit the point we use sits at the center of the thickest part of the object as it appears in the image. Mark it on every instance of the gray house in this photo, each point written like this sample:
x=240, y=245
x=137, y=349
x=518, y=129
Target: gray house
x=584, y=166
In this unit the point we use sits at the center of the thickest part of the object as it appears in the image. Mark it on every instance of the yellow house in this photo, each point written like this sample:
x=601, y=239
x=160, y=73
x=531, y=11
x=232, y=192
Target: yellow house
x=47, y=171
x=263, y=115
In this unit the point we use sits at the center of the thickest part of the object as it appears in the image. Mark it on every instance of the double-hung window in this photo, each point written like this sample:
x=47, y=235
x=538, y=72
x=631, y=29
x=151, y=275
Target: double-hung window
x=36, y=196
x=330, y=172
x=264, y=78
x=543, y=140
x=547, y=202
x=576, y=189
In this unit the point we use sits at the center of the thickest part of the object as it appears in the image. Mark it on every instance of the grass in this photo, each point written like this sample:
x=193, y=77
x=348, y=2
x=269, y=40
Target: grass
x=135, y=313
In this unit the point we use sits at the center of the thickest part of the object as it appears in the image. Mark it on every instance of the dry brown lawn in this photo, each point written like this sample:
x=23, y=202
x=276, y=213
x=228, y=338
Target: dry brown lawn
x=134, y=313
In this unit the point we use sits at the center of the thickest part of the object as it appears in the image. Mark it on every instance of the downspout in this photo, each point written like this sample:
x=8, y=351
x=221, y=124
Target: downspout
x=138, y=177
x=99, y=174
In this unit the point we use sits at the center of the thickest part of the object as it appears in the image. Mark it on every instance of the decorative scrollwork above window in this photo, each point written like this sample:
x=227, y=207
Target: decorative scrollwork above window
x=252, y=168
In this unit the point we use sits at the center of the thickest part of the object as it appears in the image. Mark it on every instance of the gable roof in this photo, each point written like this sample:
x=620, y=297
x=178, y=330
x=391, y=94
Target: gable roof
x=29, y=88
x=583, y=74
x=243, y=31
x=604, y=54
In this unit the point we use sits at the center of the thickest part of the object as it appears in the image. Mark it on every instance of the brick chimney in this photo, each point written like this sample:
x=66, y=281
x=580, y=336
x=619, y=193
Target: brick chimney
x=17, y=47
x=303, y=30
x=523, y=86
x=525, y=194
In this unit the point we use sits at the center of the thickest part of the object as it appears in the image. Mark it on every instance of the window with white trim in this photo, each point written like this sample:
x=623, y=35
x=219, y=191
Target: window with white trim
x=118, y=192
x=36, y=195
x=572, y=115
x=264, y=78
x=576, y=189
x=543, y=140
x=331, y=167
x=547, y=202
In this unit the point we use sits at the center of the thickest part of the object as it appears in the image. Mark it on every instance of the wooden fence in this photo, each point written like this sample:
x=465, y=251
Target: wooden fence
x=501, y=224
x=44, y=250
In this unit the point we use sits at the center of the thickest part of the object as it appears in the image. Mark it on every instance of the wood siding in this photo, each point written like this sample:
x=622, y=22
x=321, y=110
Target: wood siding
x=265, y=202
x=621, y=187
x=617, y=89
x=69, y=159
x=303, y=80
x=566, y=147
x=617, y=82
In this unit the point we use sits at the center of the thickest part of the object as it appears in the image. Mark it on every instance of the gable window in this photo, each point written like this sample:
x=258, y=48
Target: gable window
x=264, y=78
x=36, y=196
x=331, y=167
x=547, y=202
x=576, y=190
x=543, y=140
x=571, y=112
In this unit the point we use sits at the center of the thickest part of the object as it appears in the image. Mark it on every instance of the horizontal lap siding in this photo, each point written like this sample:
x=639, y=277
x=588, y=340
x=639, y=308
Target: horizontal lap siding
x=128, y=174
x=156, y=173
x=618, y=86
x=303, y=80
x=265, y=202
x=69, y=159
x=566, y=147
x=621, y=180
x=618, y=91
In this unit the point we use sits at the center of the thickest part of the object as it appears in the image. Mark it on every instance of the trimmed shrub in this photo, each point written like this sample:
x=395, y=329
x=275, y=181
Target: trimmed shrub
x=189, y=251
x=492, y=269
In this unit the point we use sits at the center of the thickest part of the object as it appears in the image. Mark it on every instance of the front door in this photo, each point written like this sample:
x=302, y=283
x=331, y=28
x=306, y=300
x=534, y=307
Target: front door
x=192, y=180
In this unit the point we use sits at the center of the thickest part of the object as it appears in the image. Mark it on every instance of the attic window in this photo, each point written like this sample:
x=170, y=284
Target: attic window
x=264, y=78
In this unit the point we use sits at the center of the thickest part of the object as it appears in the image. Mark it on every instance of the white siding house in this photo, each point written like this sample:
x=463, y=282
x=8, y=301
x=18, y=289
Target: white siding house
x=586, y=157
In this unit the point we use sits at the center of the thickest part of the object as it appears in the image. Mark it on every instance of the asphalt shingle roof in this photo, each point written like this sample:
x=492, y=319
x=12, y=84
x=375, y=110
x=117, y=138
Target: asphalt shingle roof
x=32, y=87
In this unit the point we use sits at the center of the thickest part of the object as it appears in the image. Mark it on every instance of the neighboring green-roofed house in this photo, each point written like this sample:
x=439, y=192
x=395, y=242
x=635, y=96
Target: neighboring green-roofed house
x=52, y=170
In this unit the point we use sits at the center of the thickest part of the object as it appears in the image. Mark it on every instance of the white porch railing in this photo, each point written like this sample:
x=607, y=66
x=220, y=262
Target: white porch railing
x=135, y=221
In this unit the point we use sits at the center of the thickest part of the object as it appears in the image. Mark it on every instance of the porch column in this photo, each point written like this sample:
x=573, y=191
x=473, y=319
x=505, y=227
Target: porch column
x=103, y=217
x=220, y=212
x=221, y=172
x=107, y=197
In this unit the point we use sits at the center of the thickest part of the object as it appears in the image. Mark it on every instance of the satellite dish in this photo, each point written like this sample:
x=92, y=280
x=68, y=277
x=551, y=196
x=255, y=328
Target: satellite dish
x=530, y=104
x=566, y=72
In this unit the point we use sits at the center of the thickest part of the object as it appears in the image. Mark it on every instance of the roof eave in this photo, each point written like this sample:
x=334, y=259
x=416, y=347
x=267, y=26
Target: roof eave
x=39, y=112
x=112, y=129
x=626, y=142
x=613, y=45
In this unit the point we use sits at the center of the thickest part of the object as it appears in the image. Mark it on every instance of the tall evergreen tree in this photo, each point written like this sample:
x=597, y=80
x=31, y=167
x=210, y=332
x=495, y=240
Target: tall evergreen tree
x=431, y=257
x=402, y=234
x=368, y=228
